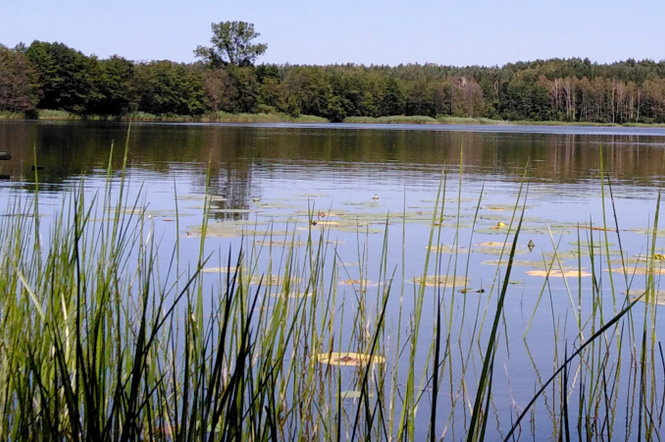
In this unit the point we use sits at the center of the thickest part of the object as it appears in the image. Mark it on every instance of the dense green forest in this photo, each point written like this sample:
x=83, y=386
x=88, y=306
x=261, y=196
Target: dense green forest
x=54, y=76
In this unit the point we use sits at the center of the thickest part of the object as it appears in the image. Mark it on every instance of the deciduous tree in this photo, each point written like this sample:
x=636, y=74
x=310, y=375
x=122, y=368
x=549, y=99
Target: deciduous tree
x=232, y=44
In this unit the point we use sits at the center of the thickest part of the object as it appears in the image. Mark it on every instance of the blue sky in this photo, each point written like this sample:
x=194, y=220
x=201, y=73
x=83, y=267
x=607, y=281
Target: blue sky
x=472, y=32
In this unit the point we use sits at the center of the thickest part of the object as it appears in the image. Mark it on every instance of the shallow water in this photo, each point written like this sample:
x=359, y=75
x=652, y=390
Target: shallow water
x=364, y=183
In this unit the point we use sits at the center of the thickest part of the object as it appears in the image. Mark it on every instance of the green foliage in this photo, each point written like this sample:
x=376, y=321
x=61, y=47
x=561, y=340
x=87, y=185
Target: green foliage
x=231, y=44
x=65, y=76
x=164, y=87
x=53, y=76
x=114, y=86
x=18, y=82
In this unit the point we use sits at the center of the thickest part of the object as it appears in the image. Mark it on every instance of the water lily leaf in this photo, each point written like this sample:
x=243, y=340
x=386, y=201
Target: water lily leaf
x=279, y=243
x=353, y=394
x=657, y=297
x=361, y=282
x=221, y=269
x=291, y=295
x=558, y=273
x=588, y=244
x=516, y=263
x=446, y=249
x=273, y=280
x=441, y=280
x=639, y=270
x=348, y=358
x=498, y=251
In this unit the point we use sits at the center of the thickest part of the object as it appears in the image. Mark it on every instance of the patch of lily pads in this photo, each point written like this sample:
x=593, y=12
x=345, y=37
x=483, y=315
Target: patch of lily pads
x=441, y=280
x=348, y=358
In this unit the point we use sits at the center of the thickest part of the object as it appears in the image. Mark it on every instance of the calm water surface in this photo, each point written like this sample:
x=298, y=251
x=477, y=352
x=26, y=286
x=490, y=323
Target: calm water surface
x=353, y=179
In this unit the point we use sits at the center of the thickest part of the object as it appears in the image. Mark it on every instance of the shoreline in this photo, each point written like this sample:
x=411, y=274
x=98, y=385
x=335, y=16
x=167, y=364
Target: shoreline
x=259, y=118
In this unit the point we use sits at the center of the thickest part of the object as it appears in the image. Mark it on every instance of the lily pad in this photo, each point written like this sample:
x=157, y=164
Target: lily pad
x=291, y=295
x=442, y=280
x=596, y=244
x=516, y=263
x=279, y=243
x=361, y=282
x=498, y=251
x=657, y=297
x=446, y=249
x=558, y=273
x=639, y=270
x=353, y=394
x=348, y=358
x=220, y=269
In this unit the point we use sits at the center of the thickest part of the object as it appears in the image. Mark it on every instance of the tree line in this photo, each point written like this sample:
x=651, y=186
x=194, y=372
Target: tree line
x=54, y=76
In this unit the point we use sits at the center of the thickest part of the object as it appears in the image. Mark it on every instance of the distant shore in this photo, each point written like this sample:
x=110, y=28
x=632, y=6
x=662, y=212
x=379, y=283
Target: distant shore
x=250, y=118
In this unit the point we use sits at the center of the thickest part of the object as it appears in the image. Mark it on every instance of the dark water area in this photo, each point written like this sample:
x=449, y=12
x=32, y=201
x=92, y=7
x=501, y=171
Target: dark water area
x=556, y=154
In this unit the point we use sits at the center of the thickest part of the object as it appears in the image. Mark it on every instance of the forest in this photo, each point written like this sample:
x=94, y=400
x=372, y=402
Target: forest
x=53, y=76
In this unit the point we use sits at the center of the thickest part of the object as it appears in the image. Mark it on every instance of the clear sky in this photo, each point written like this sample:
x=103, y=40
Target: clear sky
x=460, y=33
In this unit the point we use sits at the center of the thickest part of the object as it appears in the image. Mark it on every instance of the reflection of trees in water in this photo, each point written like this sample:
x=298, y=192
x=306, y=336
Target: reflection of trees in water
x=74, y=149
x=234, y=185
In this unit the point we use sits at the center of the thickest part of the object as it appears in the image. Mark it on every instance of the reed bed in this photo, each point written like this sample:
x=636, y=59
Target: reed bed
x=109, y=334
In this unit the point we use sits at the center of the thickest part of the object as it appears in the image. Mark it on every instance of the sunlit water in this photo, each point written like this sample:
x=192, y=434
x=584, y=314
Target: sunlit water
x=361, y=184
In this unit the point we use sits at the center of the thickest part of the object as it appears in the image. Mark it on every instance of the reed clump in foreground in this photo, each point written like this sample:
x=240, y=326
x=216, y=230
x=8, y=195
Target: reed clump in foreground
x=109, y=335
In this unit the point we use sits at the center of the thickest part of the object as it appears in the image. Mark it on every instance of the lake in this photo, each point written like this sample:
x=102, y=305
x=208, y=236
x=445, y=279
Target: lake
x=416, y=218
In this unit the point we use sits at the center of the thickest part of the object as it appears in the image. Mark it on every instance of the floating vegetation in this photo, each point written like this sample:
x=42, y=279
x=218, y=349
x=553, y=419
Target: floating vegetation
x=492, y=244
x=291, y=294
x=576, y=253
x=156, y=213
x=648, y=232
x=273, y=280
x=221, y=269
x=498, y=251
x=348, y=358
x=441, y=248
x=436, y=281
x=193, y=197
x=354, y=394
x=555, y=273
x=638, y=270
x=359, y=229
x=468, y=290
x=587, y=244
x=360, y=282
x=655, y=296
x=280, y=243
x=365, y=204
x=226, y=229
x=326, y=223
x=492, y=231
x=516, y=263
x=500, y=207
x=277, y=206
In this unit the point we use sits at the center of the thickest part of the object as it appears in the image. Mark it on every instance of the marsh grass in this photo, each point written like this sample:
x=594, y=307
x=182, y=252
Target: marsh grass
x=107, y=334
x=395, y=119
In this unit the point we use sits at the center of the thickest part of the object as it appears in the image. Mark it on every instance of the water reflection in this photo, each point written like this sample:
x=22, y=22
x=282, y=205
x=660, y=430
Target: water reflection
x=236, y=153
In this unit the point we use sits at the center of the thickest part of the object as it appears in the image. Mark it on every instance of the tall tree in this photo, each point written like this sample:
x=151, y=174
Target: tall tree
x=232, y=44
x=18, y=82
x=65, y=76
